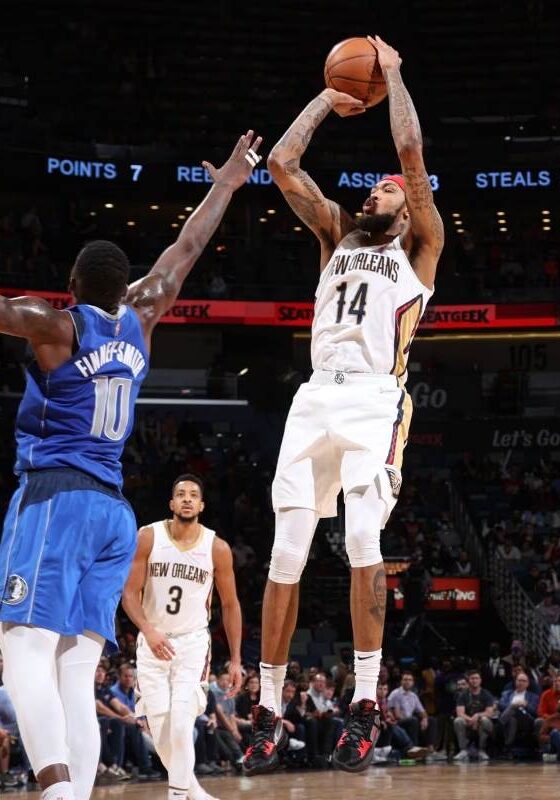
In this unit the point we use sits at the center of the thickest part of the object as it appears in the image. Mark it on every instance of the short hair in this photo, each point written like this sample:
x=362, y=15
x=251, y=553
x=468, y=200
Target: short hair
x=102, y=269
x=408, y=672
x=124, y=667
x=188, y=476
x=289, y=682
x=472, y=672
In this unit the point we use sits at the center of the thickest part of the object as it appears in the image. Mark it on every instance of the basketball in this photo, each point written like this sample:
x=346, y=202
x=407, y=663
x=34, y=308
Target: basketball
x=352, y=67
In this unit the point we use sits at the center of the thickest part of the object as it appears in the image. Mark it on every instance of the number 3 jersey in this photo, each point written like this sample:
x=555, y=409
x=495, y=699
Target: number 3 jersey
x=178, y=587
x=368, y=305
x=81, y=414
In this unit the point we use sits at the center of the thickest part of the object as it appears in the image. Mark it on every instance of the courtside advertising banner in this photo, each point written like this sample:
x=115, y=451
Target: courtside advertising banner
x=447, y=594
x=300, y=315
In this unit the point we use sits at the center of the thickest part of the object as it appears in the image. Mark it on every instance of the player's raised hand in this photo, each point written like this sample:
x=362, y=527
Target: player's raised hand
x=387, y=56
x=160, y=645
x=240, y=164
x=235, y=677
x=344, y=104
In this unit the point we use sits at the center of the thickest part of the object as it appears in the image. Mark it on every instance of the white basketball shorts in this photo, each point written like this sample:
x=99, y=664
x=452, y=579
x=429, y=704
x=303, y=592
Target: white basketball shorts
x=159, y=683
x=344, y=430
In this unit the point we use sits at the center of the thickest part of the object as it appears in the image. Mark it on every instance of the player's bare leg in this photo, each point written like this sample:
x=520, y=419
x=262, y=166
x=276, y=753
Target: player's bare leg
x=294, y=533
x=365, y=511
x=279, y=620
x=56, y=773
x=368, y=599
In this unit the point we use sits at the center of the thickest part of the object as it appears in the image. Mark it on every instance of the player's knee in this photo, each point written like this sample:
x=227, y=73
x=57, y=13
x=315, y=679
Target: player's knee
x=363, y=545
x=287, y=562
x=364, y=512
x=294, y=532
x=181, y=725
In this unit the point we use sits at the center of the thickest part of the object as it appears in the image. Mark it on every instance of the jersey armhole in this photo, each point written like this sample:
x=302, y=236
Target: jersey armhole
x=425, y=289
x=79, y=327
x=130, y=307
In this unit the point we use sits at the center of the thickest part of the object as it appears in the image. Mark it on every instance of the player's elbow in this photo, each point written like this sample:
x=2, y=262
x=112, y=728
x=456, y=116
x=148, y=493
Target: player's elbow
x=275, y=163
x=230, y=607
x=410, y=149
x=188, y=250
x=127, y=600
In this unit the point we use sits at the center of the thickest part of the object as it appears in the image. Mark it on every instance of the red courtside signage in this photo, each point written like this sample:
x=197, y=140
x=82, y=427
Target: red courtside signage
x=448, y=594
x=300, y=315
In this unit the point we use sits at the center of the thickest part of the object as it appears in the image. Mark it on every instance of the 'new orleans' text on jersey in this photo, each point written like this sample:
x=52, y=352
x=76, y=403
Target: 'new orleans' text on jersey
x=187, y=572
x=372, y=262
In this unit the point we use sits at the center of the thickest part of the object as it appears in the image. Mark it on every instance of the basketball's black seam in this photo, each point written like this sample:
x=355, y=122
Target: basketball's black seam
x=353, y=58
x=356, y=80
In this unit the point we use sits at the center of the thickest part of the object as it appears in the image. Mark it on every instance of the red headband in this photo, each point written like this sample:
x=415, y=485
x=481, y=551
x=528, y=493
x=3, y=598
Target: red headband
x=398, y=179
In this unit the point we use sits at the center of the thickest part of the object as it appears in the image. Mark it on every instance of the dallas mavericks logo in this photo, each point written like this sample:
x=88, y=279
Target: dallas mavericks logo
x=16, y=590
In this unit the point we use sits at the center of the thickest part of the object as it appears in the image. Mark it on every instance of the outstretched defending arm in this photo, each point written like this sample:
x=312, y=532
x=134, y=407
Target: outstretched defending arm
x=328, y=221
x=154, y=294
x=425, y=241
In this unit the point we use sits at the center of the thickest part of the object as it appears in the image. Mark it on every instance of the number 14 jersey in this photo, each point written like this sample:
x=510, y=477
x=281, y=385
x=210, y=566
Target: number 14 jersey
x=178, y=586
x=368, y=305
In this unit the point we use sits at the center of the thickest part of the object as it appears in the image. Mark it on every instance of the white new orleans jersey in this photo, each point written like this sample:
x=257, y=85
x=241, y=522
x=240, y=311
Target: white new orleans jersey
x=178, y=588
x=368, y=304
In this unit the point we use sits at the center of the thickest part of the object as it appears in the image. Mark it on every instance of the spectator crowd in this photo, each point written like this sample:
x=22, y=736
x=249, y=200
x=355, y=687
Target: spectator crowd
x=504, y=706
x=518, y=512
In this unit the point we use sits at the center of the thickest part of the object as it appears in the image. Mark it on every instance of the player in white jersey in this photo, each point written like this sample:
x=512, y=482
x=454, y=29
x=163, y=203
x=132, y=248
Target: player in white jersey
x=168, y=596
x=347, y=427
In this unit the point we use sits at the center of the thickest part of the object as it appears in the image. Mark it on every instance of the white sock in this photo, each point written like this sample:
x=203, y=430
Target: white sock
x=366, y=669
x=272, y=682
x=58, y=791
x=196, y=792
x=176, y=794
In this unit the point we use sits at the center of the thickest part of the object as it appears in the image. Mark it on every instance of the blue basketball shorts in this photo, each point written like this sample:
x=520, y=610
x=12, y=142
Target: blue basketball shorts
x=65, y=553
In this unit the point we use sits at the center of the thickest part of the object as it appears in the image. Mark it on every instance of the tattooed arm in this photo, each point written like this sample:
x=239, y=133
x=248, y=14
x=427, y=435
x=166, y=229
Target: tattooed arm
x=328, y=221
x=424, y=242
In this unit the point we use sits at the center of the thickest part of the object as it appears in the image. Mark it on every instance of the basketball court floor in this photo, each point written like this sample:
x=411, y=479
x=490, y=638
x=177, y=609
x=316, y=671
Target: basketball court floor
x=434, y=782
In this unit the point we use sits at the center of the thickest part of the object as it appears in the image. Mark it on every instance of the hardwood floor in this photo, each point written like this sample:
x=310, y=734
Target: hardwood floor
x=433, y=782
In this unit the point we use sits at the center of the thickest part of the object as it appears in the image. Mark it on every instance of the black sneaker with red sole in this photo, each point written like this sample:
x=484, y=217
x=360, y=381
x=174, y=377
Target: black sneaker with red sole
x=268, y=738
x=354, y=749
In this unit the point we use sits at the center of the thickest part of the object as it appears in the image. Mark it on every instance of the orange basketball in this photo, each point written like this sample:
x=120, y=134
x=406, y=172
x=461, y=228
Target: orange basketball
x=352, y=67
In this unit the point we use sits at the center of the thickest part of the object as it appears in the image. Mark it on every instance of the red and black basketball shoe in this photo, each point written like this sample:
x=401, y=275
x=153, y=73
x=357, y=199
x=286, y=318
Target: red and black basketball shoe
x=354, y=749
x=268, y=738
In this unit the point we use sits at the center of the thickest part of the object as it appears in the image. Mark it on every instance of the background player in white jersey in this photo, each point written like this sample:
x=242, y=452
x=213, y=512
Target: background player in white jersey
x=168, y=596
x=347, y=427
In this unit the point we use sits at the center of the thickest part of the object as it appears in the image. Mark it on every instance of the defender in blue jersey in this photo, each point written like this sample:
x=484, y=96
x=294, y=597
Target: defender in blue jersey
x=69, y=535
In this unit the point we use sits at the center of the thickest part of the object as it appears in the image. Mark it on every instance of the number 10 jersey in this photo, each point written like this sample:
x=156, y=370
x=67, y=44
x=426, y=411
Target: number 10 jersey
x=81, y=414
x=178, y=586
x=368, y=305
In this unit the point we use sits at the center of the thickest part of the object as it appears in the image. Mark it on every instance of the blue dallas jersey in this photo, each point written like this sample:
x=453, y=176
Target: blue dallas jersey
x=81, y=414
